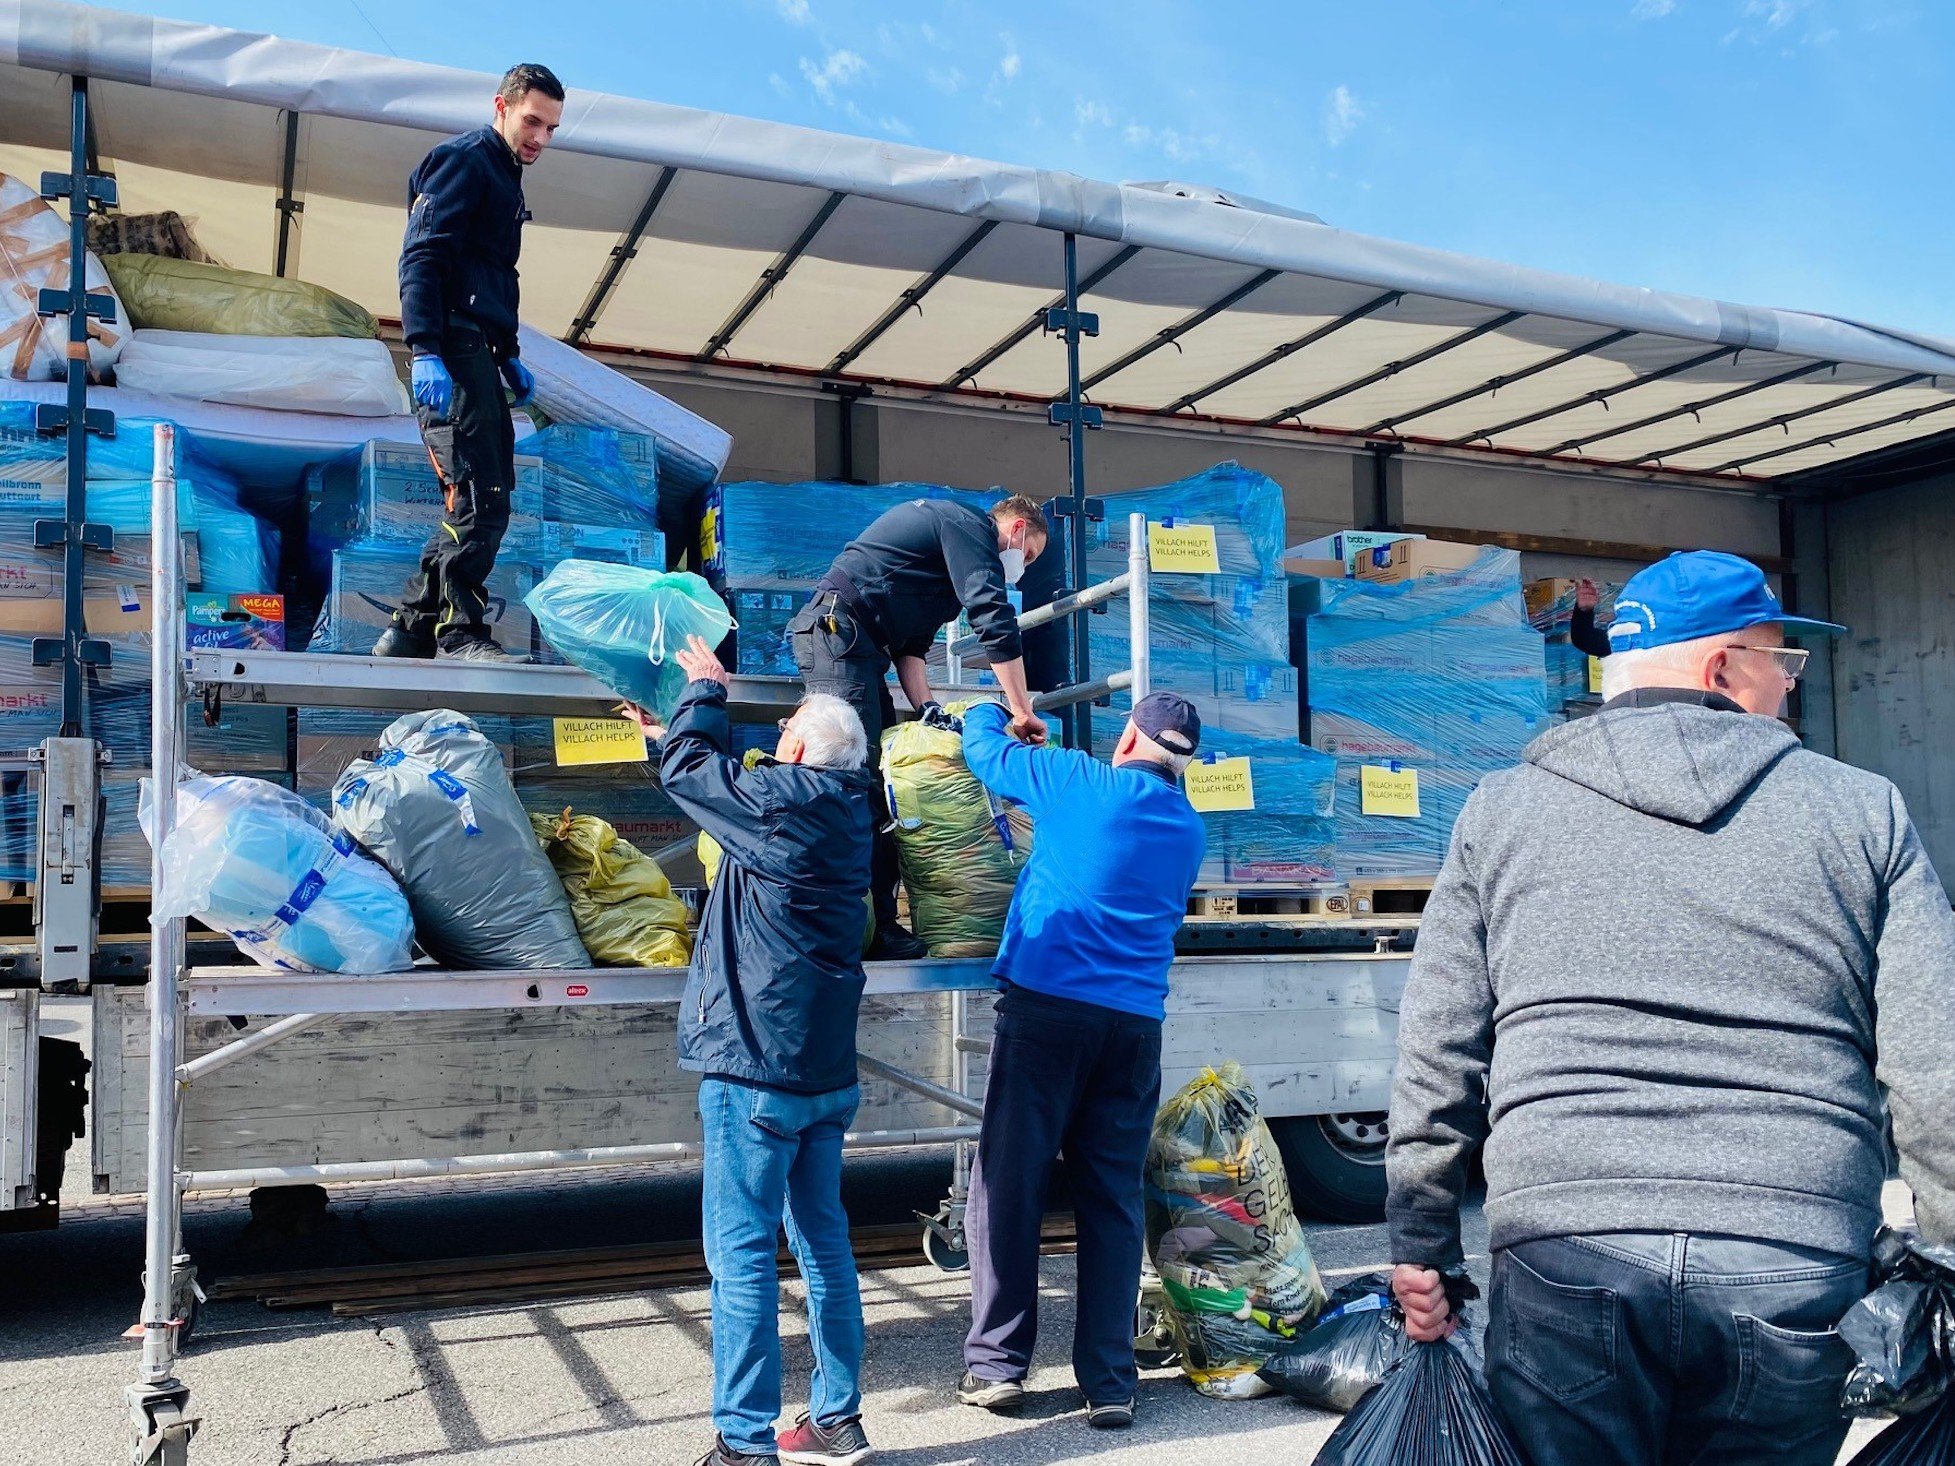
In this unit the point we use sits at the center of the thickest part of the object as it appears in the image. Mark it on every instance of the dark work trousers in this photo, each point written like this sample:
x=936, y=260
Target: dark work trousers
x=474, y=452
x=1083, y=1080
x=1652, y=1349
x=838, y=656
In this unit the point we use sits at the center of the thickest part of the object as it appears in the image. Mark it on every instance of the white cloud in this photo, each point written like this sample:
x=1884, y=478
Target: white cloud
x=948, y=80
x=1009, y=67
x=1342, y=114
x=794, y=10
x=1092, y=114
x=779, y=84
x=1652, y=9
x=1776, y=14
x=1138, y=136
x=837, y=69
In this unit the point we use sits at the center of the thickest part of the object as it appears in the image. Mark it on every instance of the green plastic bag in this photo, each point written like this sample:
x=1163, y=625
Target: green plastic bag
x=1238, y=1275
x=622, y=902
x=960, y=848
x=710, y=855
x=162, y=294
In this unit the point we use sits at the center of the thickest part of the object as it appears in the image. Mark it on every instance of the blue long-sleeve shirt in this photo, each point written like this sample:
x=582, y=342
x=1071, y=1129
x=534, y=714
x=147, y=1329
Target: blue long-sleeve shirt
x=1114, y=854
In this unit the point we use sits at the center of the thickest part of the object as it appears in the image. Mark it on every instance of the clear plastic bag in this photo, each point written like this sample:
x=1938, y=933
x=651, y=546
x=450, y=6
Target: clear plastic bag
x=623, y=625
x=437, y=809
x=961, y=848
x=1238, y=1276
x=1433, y=1409
x=624, y=906
x=1354, y=1344
x=259, y=864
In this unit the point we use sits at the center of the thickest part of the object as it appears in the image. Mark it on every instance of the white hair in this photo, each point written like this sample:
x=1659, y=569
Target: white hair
x=1160, y=753
x=831, y=734
x=1658, y=666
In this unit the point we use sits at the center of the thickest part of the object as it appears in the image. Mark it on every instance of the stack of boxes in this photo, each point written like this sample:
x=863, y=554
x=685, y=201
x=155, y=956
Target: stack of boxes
x=1436, y=673
x=225, y=549
x=1572, y=675
x=1222, y=641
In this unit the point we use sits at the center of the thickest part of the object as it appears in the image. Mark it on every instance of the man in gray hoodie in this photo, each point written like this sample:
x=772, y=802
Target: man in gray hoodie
x=1675, y=1050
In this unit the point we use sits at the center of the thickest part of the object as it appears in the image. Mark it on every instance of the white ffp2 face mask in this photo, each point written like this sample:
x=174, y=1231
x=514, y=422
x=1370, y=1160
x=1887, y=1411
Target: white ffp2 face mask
x=1013, y=561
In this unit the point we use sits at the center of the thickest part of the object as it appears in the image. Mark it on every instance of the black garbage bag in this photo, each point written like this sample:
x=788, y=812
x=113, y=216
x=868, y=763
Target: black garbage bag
x=1354, y=1344
x=1926, y=1438
x=1903, y=1333
x=1433, y=1409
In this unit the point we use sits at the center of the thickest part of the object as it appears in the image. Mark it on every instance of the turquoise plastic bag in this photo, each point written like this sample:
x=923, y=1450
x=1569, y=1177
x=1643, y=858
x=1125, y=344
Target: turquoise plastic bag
x=624, y=625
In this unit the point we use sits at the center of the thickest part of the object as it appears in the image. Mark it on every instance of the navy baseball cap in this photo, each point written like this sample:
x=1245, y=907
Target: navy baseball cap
x=1170, y=721
x=1698, y=593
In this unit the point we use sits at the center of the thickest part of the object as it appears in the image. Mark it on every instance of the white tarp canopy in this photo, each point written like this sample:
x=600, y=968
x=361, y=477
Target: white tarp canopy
x=687, y=235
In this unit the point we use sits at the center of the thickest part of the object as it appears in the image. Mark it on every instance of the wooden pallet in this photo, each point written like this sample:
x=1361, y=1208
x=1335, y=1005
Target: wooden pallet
x=1398, y=901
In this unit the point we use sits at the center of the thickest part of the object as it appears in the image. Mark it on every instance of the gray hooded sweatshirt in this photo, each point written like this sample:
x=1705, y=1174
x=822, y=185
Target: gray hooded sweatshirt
x=1671, y=967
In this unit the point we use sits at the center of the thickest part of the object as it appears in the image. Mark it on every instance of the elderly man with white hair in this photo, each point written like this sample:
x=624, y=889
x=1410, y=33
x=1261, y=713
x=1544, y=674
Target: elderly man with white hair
x=1076, y=1057
x=1674, y=1040
x=768, y=1019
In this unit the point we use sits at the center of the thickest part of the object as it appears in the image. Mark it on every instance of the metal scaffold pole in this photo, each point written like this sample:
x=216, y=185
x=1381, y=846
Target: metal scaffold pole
x=1077, y=417
x=160, y=1427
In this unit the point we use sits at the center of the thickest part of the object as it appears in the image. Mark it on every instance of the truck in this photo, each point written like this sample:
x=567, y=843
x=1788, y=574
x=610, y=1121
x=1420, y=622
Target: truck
x=860, y=311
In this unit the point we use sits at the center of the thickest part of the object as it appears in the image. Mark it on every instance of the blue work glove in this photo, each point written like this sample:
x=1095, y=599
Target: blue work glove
x=434, y=389
x=519, y=379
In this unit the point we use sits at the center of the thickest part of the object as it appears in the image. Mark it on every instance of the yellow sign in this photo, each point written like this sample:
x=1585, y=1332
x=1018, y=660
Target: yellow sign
x=1595, y=675
x=1389, y=791
x=599, y=741
x=1221, y=786
x=1183, y=549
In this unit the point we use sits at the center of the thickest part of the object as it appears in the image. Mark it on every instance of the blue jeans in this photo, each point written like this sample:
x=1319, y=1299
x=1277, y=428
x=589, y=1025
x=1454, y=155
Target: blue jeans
x=1652, y=1349
x=771, y=1157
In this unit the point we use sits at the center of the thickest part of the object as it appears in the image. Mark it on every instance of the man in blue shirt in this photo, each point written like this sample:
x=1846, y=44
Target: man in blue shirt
x=1076, y=1058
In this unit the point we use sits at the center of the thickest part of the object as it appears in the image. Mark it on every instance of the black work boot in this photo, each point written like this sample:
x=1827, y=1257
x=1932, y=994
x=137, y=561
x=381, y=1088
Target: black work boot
x=394, y=642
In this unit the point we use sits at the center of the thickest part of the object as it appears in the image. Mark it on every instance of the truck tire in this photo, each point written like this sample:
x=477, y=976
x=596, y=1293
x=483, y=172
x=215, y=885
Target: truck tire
x=1336, y=1164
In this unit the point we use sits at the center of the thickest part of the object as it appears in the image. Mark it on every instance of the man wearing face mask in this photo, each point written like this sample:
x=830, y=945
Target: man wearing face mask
x=883, y=602
x=1679, y=1055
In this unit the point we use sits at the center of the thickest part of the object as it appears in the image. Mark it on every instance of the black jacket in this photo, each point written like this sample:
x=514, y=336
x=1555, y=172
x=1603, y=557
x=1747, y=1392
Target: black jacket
x=910, y=572
x=1584, y=635
x=465, y=218
x=777, y=971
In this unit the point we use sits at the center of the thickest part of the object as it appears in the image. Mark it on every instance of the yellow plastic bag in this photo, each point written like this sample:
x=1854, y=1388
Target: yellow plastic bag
x=181, y=295
x=958, y=865
x=623, y=904
x=710, y=853
x=1238, y=1275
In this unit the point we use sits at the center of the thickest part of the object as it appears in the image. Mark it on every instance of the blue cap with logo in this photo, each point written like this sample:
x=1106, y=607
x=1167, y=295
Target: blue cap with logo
x=1699, y=593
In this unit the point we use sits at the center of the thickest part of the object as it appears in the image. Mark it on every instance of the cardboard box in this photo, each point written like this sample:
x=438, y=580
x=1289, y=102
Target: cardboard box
x=1345, y=546
x=1406, y=560
x=1295, y=564
x=242, y=623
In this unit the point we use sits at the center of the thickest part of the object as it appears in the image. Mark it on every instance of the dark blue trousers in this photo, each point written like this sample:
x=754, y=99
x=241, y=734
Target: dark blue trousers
x=1651, y=1349
x=1083, y=1081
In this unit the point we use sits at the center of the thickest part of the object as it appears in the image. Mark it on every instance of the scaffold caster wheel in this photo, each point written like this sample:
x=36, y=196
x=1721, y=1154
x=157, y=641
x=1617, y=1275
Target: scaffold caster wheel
x=160, y=1427
x=186, y=1302
x=941, y=1252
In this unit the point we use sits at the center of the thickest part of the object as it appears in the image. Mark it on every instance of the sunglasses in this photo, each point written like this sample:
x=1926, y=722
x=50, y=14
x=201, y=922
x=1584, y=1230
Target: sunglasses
x=1791, y=659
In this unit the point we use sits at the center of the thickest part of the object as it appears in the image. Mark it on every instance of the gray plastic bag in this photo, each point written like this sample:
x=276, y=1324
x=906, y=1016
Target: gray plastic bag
x=436, y=807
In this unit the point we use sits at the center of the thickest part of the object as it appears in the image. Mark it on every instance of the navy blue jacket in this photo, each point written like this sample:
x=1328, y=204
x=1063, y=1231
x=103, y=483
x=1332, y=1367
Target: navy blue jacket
x=920, y=563
x=1114, y=854
x=465, y=218
x=777, y=971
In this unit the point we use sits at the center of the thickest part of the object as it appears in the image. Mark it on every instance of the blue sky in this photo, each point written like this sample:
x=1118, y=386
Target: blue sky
x=1773, y=152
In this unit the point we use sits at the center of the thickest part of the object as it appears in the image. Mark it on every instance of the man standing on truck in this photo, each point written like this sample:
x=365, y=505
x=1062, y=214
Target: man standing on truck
x=768, y=1019
x=1675, y=1050
x=458, y=314
x=883, y=601
x=1076, y=1057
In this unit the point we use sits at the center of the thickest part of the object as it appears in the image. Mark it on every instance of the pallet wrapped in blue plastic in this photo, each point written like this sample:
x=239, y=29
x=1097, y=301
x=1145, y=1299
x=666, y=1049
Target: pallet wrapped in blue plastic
x=256, y=862
x=1441, y=676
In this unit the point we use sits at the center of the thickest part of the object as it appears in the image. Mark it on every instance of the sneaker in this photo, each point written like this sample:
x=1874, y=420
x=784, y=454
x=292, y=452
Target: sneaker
x=483, y=650
x=395, y=642
x=894, y=944
x=991, y=1394
x=840, y=1444
x=724, y=1455
x=1110, y=1417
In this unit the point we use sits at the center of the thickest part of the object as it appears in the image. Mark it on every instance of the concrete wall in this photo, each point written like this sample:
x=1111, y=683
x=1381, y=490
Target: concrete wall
x=1894, y=697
